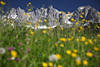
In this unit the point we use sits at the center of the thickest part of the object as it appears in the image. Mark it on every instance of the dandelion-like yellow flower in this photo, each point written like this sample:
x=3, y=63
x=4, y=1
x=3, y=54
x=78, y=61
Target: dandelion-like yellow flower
x=83, y=38
x=56, y=44
x=50, y=64
x=77, y=40
x=69, y=39
x=75, y=50
x=86, y=43
x=78, y=62
x=44, y=31
x=62, y=39
x=98, y=35
x=31, y=32
x=89, y=54
x=61, y=45
x=13, y=53
x=59, y=66
x=85, y=62
x=44, y=64
x=76, y=23
x=72, y=19
x=90, y=41
x=2, y=3
x=96, y=48
x=58, y=56
x=74, y=55
x=81, y=16
x=68, y=52
x=45, y=21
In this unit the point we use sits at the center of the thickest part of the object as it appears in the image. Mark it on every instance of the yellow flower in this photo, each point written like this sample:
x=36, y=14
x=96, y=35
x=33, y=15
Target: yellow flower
x=44, y=64
x=2, y=3
x=59, y=66
x=62, y=39
x=50, y=64
x=13, y=53
x=61, y=45
x=75, y=50
x=72, y=19
x=83, y=38
x=44, y=31
x=29, y=23
x=58, y=56
x=83, y=13
x=85, y=62
x=86, y=43
x=77, y=40
x=81, y=16
x=81, y=28
x=45, y=20
x=31, y=32
x=69, y=39
x=29, y=3
x=56, y=44
x=40, y=20
x=68, y=52
x=78, y=61
x=76, y=23
x=89, y=54
x=83, y=20
x=74, y=55
x=29, y=9
x=98, y=35
x=90, y=41
x=96, y=48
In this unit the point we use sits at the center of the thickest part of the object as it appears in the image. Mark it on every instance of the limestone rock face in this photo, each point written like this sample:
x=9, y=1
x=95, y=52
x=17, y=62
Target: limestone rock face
x=52, y=17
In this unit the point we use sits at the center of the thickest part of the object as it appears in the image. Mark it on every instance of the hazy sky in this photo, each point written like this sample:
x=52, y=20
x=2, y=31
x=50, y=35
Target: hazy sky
x=64, y=5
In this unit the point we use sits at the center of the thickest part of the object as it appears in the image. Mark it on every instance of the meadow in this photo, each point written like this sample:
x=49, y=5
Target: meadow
x=58, y=47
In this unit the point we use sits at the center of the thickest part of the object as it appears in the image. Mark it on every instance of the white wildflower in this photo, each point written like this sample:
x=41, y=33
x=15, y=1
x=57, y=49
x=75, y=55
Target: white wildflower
x=53, y=57
x=2, y=50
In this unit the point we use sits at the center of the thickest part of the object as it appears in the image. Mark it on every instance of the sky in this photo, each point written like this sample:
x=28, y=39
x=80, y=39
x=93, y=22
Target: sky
x=62, y=5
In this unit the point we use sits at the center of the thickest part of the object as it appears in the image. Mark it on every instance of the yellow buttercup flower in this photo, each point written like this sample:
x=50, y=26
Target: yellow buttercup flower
x=50, y=64
x=90, y=41
x=83, y=13
x=44, y=31
x=96, y=48
x=29, y=23
x=89, y=54
x=77, y=40
x=62, y=39
x=69, y=39
x=13, y=53
x=61, y=45
x=76, y=23
x=2, y=3
x=59, y=66
x=75, y=50
x=74, y=55
x=58, y=56
x=44, y=64
x=72, y=19
x=31, y=32
x=78, y=61
x=85, y=62
x=86, y=43
x=98, y=35
x=56, y=44
x=83, y=38
x=68, y=52
x=81, y=16
x=45, y=20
